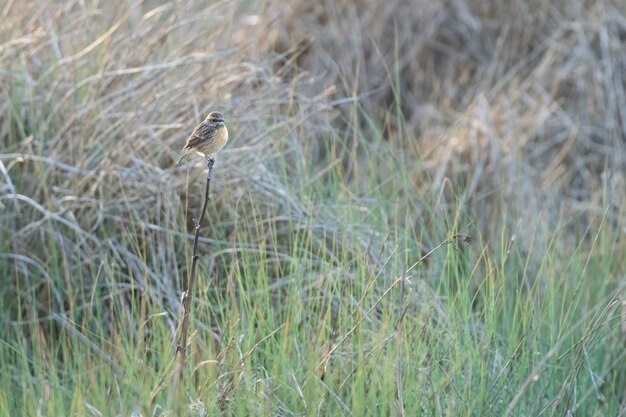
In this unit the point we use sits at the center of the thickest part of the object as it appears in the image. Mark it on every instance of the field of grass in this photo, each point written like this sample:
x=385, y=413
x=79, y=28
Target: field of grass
x=421, y=210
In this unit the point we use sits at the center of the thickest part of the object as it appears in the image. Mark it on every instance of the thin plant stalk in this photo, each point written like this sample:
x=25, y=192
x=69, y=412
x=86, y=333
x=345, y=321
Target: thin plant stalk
x=188, y=289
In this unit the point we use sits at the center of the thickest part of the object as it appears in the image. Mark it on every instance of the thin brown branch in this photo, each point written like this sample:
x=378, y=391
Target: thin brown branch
x=188, y=286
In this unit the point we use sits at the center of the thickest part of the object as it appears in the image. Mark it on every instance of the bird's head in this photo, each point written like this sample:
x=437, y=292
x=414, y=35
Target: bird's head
x=216, y=118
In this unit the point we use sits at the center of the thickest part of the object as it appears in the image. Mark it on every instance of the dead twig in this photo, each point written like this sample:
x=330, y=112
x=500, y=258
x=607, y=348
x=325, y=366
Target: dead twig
x=188, y=286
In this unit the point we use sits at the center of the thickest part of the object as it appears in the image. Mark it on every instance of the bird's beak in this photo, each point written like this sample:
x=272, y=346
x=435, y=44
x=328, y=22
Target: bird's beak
x=220, y=124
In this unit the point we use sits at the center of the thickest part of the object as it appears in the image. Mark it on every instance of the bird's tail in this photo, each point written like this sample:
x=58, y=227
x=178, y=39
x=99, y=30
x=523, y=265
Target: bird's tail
x=182, y=156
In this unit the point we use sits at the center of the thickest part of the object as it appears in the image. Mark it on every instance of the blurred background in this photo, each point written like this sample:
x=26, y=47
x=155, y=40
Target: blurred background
x=363, y=133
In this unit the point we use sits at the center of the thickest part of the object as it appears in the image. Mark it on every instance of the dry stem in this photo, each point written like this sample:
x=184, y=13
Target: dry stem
x=188, y=289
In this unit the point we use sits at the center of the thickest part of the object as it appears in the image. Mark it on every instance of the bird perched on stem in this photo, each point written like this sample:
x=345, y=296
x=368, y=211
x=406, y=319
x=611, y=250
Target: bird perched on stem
x=208, y=138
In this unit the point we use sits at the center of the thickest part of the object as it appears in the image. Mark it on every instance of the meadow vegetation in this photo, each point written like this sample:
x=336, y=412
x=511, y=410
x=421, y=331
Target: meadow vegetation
x=421, y=210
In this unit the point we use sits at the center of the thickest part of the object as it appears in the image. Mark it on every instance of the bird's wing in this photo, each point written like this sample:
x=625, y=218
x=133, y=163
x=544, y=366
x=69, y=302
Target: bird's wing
x=203, y=132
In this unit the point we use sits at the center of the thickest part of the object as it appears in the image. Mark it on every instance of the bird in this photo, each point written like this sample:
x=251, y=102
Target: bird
x=208, y=138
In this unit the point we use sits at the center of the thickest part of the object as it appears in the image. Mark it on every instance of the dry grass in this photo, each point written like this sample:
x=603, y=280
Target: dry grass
x=92, y=123
x=522, y=102
x=522, y=105
x=359, y=130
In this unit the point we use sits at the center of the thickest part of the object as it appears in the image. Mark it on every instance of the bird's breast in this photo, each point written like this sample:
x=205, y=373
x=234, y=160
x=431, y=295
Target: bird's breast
x=222, y=137
x=215, y=144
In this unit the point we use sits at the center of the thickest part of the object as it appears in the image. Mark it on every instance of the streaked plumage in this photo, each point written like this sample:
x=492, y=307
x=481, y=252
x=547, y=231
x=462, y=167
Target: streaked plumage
x=208, y=138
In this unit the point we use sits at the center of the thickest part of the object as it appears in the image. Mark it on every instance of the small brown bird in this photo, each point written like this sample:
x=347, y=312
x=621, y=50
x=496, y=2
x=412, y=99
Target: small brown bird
x=208, y=137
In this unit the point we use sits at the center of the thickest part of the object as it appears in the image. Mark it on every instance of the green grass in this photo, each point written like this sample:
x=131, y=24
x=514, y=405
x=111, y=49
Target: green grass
x=354, y=261
x=310, y=312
